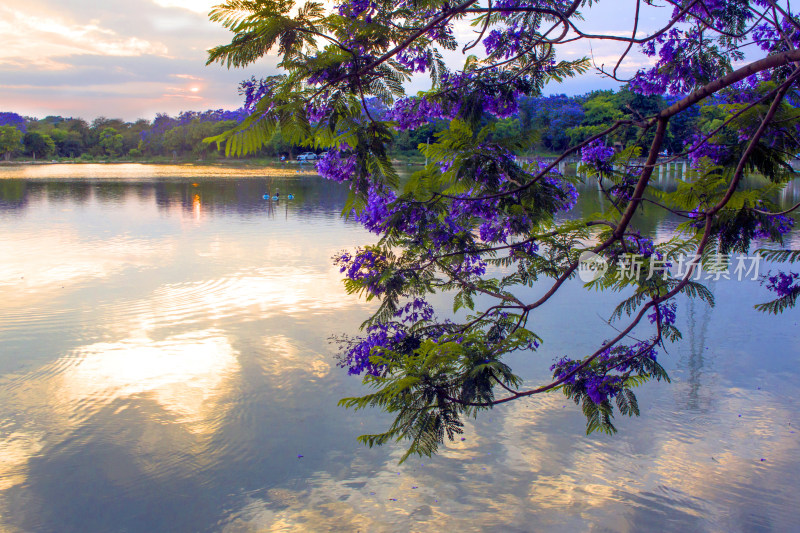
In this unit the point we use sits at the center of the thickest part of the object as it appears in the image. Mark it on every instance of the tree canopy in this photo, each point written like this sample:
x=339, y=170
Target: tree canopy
x=10, y=140
x=483, y=226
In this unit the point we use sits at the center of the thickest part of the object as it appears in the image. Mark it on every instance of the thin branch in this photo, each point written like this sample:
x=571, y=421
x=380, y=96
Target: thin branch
x=785, y=212
x=633, y=36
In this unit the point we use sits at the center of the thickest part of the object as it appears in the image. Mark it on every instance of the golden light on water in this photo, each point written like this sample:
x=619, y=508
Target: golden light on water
x=184, y=374
x=16, y=449
x=197, y=207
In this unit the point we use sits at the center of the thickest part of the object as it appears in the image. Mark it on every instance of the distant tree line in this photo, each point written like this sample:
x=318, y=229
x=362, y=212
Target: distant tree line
x=552, y=123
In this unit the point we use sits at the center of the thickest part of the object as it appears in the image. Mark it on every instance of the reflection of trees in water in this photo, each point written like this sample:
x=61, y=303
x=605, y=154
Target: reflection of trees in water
x=312, y=195
x=19, y=193
x=13, y=194
x=791, y=194
x=699, y=315
x=593, y=200
x=649, y=220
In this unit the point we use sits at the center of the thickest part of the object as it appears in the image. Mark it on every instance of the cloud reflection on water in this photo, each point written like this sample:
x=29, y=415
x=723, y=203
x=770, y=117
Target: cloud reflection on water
x=527, y=478
x=184, y=374
x=198, y=372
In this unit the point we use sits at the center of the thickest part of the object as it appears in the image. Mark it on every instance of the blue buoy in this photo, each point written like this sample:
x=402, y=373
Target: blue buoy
x=276, y=197
x=290, y=196
x=266, y=197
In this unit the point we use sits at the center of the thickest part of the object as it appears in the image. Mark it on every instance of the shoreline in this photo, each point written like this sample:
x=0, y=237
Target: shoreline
x=255, y=162
x=240, y=162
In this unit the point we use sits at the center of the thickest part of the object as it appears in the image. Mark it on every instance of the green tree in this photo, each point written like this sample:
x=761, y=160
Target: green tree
x=69, y=143
x=132, y=134
x=38, y=144
x=601, y=110
x=111, y=142
x=198, y=130
x=175, y=141
x=10, y=141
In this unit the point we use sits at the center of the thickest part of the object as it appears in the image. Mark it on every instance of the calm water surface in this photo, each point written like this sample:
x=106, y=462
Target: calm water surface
x=164, y=363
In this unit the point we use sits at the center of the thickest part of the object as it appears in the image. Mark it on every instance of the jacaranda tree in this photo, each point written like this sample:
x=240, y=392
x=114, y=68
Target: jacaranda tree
x=478, y=224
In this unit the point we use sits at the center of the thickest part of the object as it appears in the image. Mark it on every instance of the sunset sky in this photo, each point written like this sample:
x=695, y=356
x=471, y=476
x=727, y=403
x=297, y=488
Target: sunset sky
x=133, y=59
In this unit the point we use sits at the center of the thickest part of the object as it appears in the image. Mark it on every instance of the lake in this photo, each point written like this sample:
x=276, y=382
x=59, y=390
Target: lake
x=165, y=365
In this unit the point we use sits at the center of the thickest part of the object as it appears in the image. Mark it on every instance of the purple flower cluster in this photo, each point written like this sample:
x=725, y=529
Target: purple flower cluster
x=717, y=13
x=374, y=216
x=12, y=119
x=317, y=112
x=667, y=312
x=356, y=358
x=500, y=97
x=598, y=155
x=772, y=38
x=471, y=265
x=716, y=153
x=601, y=379
x=414, y=58
x=644, y=246
x=599, y=387
x=776, y=223
x=254, y=90
x=743, y=92
x=451, y=228
x=393, y=337
x=355, y=8
x=504, y=6
x=523, y=248
x=501, y=105
x=503, y=44
x=698, y=218
x=707, y=39
x=366, y=266
x=783, y=283
x=333, y=166
x=680, y=66
x=567, y=192
x=623, y=190
x=414, y=311
x=411, y=113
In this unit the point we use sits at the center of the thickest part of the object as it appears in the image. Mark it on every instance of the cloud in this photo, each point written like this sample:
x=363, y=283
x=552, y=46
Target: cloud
x=198, y=6
x=108, y=57
x=187, y=77
x=125, y=87
x=36, y=38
